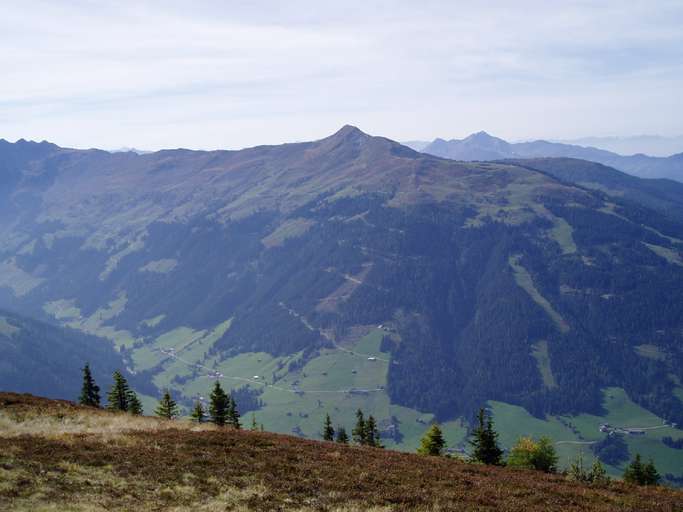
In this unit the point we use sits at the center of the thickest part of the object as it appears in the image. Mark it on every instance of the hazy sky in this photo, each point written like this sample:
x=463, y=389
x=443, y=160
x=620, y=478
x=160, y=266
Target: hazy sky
x=232, y=74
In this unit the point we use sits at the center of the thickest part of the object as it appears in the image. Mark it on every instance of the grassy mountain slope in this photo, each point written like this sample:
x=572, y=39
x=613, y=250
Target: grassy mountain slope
x=273, y=268
x=54, y=455
x=663, y=195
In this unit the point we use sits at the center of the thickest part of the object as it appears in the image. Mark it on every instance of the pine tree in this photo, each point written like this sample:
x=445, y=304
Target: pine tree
x=577, y=472
x=358, y=431
x=168, y=408
x=233, y=414
x=545, y=457
x=328, y=431
x=372, y=433
x=119, y=394
x=433, y=442
x=218, y=409
x=90, y=392
x=342, y=437
x=198, y=413
x=650, y=474
x=598, y=474
x=641, y=474
x=634, y=471
x=530, y=454
x=485, y=442
x=134, y=404
x=254, y=425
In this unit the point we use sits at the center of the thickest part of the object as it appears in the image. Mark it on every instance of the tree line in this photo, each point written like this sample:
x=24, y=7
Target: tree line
x=540, y=455
x=527, y=453
x=222, y=408
x=365, y=432
x=120, y=396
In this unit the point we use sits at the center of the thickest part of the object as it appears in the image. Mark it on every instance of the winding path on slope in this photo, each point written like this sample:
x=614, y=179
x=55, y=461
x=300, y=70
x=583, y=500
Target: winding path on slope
x=327, y=336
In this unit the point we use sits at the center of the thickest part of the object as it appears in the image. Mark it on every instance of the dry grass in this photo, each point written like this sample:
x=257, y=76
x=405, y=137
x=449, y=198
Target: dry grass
x=29, y=415
x=168, y=466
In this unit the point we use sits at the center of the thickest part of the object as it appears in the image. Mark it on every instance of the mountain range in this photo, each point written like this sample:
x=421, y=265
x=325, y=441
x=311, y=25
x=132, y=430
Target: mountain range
x=653, y=145
x=353, y=271
x=482, y=146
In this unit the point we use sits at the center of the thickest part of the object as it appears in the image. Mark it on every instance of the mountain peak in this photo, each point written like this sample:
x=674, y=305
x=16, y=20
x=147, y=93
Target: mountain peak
x=346, y=135
x=349, y=131
x=482, y=136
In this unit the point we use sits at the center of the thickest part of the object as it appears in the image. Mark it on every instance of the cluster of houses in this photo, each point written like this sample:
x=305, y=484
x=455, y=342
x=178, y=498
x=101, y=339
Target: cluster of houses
x=609, y=430
x=632, y=431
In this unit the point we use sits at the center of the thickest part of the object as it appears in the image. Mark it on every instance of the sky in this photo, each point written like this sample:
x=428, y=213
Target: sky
x=232, y=74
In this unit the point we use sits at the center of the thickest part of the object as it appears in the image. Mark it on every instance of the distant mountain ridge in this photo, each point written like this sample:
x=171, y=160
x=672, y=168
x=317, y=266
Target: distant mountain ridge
x=482, y=146
x=652, y=145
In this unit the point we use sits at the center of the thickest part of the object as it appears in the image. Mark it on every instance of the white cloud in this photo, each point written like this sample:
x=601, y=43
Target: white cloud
x=232, y=74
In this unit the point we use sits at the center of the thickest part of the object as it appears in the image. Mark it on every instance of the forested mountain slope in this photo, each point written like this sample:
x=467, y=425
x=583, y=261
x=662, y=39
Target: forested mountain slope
x=490, y=281
x=43, y=359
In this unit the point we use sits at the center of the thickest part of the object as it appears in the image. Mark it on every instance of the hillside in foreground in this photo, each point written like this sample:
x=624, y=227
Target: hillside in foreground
x=55, y=455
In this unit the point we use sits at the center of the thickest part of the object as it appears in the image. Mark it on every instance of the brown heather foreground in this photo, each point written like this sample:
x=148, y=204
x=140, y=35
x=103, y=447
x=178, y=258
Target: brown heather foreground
x=57, y=456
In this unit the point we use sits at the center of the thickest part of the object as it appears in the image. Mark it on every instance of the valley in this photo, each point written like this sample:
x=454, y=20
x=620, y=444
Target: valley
x=226, y=285
x=352, y=272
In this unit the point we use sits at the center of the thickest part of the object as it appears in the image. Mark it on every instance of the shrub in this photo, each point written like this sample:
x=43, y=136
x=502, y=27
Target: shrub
x=530, y=454
x=433, y=442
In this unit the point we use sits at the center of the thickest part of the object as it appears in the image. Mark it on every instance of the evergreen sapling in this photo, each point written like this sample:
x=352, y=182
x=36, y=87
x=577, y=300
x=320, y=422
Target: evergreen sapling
x=328, y=431
x=167, y=408
x=90, y=392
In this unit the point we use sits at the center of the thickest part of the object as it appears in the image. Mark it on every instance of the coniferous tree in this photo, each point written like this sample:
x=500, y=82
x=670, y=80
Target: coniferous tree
x=233, y=414
x=254, y=425
x=530, y=454
x=119, y=395
x=342, y=437
x=634, y=471
x=485, y=442
x=598, y=474
x=650, y=474
x=198, y=412
x=90, y=392
x=433, y=442
x=134, y=404
x=577, y=471
x=545, y=457
x=168, y=408
x=328, y=431
x=372, y=433
x=358, y=432
x=218, y=409
x=641, y=474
